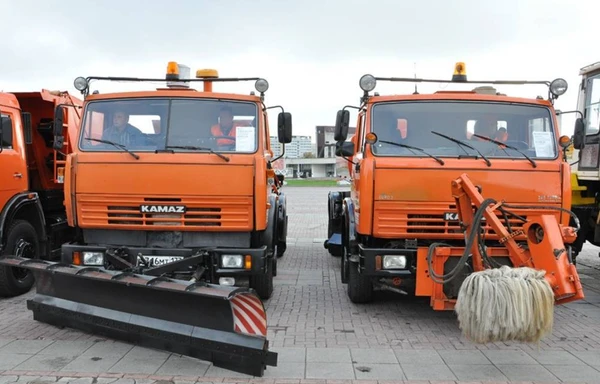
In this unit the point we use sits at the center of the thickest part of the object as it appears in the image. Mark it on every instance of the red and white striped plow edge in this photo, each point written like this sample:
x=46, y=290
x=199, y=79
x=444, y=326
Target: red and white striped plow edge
x=249, y=316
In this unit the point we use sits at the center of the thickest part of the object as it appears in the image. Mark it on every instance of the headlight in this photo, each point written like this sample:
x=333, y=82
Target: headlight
x=367, y=83
x=261, y=85
x=394, y=262
x=558, y=87
x=93, y=258
x=232, y=261
x=80, y=83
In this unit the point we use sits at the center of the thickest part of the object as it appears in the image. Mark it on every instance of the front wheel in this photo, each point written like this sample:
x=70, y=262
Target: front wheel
x=360, y=288
x=263, y=283
x=21, y=241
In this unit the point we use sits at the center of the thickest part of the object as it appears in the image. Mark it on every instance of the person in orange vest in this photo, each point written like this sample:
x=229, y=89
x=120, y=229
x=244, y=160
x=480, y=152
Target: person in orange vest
x=225, y=127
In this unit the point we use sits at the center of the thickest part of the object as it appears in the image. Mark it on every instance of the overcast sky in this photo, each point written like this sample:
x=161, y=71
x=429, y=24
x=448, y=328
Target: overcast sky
x=312, y=52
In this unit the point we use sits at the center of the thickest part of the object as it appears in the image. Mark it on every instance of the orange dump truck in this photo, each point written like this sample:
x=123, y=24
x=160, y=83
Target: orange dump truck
x=33, y=221
x=179, y=219
x=415, y=221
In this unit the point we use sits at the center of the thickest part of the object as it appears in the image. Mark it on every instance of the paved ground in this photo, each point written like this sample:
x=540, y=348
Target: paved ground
x=320, y=335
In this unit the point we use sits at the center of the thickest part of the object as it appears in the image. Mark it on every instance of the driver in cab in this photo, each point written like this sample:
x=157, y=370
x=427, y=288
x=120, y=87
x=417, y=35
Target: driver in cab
x=121, y=132
x=486, y=127
x=225, y=128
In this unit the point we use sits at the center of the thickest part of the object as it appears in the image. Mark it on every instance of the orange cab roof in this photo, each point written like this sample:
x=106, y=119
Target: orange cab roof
x=459, y=95
x=167, y=92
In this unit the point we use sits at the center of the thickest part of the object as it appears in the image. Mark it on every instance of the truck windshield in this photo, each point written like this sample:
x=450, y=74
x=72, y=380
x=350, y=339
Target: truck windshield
x=169, y=124
x=527, y=129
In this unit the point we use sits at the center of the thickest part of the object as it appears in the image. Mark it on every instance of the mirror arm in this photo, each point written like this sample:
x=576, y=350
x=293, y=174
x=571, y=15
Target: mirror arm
x=274, y=106
x=280, y=156
x=349, y=160
x=558, y=113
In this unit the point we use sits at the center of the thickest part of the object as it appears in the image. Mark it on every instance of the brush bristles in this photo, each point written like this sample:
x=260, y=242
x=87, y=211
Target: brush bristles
x=505, y=304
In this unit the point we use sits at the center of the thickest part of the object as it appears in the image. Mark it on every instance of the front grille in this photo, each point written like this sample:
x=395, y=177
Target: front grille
x=426, y=221
x=218, y=212
x=435, y=223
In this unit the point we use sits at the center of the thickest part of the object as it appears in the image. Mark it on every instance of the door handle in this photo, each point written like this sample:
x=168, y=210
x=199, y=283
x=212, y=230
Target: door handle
x=17, y=175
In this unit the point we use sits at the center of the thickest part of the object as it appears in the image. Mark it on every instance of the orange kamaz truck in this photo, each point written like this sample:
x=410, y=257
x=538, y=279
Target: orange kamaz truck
x=33, y=221
x=415, y=221
x=178, y=219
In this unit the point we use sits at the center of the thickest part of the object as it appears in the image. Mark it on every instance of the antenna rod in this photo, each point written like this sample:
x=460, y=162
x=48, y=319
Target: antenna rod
x=415, y=67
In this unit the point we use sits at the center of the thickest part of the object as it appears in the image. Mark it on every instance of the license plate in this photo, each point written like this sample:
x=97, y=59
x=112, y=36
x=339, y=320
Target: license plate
x=154, y=261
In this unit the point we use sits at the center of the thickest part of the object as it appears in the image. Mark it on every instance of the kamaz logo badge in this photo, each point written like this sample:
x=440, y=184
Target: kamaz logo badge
x=451, y=216
x=162, y=208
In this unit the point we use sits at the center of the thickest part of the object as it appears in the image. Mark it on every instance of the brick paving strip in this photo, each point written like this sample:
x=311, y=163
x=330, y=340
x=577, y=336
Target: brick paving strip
x=34, y=377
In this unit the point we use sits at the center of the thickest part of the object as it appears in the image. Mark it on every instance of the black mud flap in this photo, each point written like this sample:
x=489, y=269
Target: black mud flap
x=224, y=325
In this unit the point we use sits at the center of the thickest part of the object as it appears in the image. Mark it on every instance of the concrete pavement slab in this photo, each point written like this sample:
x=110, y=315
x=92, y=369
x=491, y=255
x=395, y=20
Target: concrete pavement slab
x=477, y=372
x=9, y=360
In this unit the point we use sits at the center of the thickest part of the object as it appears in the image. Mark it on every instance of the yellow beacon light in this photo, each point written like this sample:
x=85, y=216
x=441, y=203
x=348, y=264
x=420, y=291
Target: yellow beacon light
x=207, y=74
x=172, y=71
x=460, y=73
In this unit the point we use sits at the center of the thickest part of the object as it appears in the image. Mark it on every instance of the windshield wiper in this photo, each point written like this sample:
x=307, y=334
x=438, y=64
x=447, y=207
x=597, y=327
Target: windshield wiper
x=507, y=146
x=193, y=148
x=487, y=161
x=415, y=148
x=121, y=146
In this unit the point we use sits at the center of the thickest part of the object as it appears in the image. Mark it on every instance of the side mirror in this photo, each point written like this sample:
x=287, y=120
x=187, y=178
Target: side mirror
x=341, y=125
x=59, y=139
x=344, y=149
x=579, y=134
x=284, y=127
x=58, y=121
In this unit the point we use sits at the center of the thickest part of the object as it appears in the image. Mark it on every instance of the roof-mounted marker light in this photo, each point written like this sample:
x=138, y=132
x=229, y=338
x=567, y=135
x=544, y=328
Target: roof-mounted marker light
x=80, y=83
x=558, y=87
x=460, y=73
x=177, y=74
x=207, y=74
x=367, y=83
x=261, y=85
x=172, y=71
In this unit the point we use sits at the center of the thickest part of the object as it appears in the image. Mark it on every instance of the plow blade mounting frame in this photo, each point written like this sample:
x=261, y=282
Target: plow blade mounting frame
x=223, y=325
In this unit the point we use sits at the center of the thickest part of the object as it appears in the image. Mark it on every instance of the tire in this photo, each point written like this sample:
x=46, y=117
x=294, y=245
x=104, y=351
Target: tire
x=344, y=267
x=360, y=288
x=22, y=240
x=282, y=245
x=263, y=283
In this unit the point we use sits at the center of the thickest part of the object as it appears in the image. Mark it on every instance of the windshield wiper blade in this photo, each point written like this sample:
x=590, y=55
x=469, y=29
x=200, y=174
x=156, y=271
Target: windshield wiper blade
x=415, y=148
x=121, y=146
x=509, y=147
x=487, y=161
x=193, y=148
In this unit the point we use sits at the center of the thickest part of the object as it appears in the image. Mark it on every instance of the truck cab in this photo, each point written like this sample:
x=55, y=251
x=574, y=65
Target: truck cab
x=178, y=182
x=584, y=157
x=408, y=149
x=32, y=216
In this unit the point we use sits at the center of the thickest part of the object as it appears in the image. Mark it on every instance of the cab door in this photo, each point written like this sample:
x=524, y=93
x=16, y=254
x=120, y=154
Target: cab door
x=13, y=167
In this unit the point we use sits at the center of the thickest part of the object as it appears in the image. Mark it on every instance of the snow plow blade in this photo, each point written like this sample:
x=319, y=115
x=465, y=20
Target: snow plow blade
x=224, y=325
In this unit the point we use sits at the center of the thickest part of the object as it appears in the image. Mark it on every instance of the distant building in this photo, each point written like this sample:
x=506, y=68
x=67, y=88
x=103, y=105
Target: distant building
x=298, y=148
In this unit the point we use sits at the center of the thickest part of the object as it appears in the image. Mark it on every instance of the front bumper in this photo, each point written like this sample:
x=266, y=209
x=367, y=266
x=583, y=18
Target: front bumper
x=168, y=260
x=388, y=262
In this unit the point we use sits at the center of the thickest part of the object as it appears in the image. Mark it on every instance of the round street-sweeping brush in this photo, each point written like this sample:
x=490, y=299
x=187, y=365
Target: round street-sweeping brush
x=505, y=304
